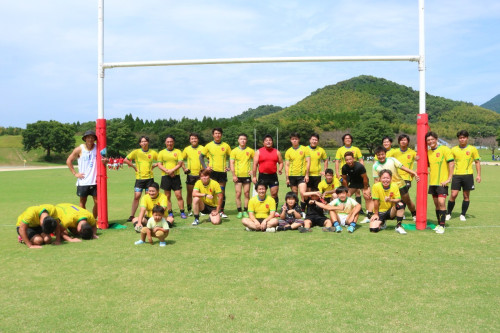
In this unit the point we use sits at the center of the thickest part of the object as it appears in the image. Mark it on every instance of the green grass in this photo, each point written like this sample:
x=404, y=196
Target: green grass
x=221, y=278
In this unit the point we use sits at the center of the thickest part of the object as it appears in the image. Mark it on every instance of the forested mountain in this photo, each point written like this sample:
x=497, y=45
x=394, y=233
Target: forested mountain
x=493, y=104
x=364, y=104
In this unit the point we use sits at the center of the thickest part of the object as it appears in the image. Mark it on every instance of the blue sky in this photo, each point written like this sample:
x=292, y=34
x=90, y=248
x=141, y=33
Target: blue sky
x=49, y=53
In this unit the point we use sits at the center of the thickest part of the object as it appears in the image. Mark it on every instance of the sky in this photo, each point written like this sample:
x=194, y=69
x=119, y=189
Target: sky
x=48, y=57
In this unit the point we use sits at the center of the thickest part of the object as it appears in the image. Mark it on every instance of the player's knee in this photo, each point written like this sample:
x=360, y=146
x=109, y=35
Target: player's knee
x=159, y=234
x=47, y=239
x=400, y=205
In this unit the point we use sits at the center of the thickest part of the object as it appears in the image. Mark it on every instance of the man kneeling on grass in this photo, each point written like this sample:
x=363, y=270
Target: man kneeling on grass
x=77, y=220
x=386, y=204
x=207, y=198
x=157, y=227
x=261, y=210
x=35, y=225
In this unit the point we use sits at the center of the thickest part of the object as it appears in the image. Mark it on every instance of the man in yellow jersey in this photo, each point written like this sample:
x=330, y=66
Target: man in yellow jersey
x=169, y=162
x=394, y=165
x=261, y=211
x=35, y=225
x=79, y=221
x=152, y=198
x=347, y=140
x=441, y=170
x=297, y=164
x=318, y=157
x=207, y=198
x=241, y=162
x=463, y=176
x=386, y=204
x=145, y=159
x=328, y=185
x=192, y=167
x=387, y=144
x=218, y=153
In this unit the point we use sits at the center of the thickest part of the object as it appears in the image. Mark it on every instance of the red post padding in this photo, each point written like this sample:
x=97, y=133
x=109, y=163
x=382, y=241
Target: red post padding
x=102, y=184
x=422, y=171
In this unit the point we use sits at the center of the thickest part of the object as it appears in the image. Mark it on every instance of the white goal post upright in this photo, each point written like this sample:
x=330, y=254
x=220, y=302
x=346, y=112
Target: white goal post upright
x=101, y=121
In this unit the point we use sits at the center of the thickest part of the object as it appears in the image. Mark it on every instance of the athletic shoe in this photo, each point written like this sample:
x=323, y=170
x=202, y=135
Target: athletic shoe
x=338, y=229
x=439, y=229
x=414, y=218
x=462, y=218
x=350, y=229
x=400, y=230
x=183, y=215
x=245, y=214
x=365, y=220
x=171, y=214
x=303, y=230
x=248, y=229
x=272, y=229
x=163, y=244
x=327, y=229
x=130, y=218
x=303, y=215
x=201, y=214
x=240, y=215
x=195, y=222
x=383, y=226
x=448, y=217
x=190, y=213
x=223, y=215
x=139, y=242
x=436, y=227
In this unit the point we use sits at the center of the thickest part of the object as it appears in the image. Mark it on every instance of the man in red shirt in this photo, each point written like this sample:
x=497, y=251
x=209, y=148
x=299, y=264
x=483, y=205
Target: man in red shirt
x=266, y=160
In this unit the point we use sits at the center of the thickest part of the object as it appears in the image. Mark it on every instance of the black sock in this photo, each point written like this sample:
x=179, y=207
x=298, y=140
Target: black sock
x=414, y=213
x=358, y=200
x=190, y=208
x=245, y=209
x=276, y=200
x=239, y=209
x=465, y=206
x=442, y=219
x=223, y=203
x=369, y=214
x=182, y=211
x=399, y=220
x=197, y=216
x=451, y=205
x=303, y=206
x=437, y=216
x=170, y=211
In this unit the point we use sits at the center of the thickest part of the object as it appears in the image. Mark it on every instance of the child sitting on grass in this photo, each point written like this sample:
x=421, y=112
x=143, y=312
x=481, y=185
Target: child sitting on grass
x=291, y=214
x=157, y=227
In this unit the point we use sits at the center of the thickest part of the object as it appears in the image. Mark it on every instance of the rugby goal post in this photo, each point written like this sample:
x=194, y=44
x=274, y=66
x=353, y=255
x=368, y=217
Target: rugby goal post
x=422, y=118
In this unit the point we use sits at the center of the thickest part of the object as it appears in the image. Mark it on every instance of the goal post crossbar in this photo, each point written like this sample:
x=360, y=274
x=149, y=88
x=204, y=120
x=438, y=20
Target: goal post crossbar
x=108, y=65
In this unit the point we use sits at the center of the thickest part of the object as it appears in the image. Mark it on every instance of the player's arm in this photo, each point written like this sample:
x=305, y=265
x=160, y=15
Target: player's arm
x=202, y=161
x=280, y=162
x=220, y=197
x=343, y=179
x=177, y=166
x=308, y=166
x=254, y=167
x=355, y=211
x=376, y=206
x=287, y=171
x=325, y=166
x=142, y=212
x=231, y=166
x=478, y=170
x=337, y=165
x=410, y=171
x=161, y=167
x=130, y=164
x=451, y=166
x=23, y=232
x=69, y=162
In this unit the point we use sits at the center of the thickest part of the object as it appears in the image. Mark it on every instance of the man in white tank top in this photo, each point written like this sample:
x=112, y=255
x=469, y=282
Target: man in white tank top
x=86, y=183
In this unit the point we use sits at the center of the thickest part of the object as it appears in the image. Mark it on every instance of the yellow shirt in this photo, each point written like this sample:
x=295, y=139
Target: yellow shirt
x=463, y=159
x=407, y=158
x=393, y=165
x=317, y=155
x=192, y=157
x=217, y=153
x=323, y=186
x=438, y=164
x=261, y=209
x=70, y=215
x=31, y=216
x=339, y=156
x=213, y=188
x=243, y=161
x=143, y=162
x=297, y=160
x=169, y=159
x=379, y=193
x=148, y=202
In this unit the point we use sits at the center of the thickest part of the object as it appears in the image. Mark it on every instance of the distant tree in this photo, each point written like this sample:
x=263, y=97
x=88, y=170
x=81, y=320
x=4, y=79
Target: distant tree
x=49, y=135
x=120, y=138
x=369, y=134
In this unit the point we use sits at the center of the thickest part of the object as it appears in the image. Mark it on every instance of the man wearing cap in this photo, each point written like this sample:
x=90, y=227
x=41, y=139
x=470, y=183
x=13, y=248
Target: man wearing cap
x=86, y=183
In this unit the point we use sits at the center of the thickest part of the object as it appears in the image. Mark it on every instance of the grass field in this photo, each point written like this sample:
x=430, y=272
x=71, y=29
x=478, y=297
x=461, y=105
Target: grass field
x=221, y=278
